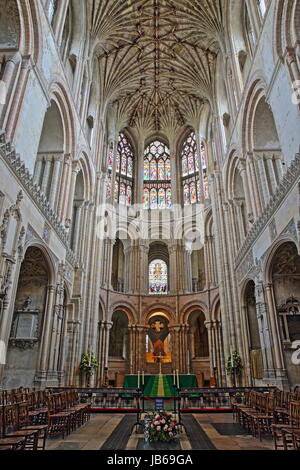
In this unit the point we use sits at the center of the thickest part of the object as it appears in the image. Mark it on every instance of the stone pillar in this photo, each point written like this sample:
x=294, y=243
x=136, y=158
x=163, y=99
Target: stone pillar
x=264, y=186
x=71, y=192
x=45, y=180
x=188, y=271
x=209, y=327
x=275, y=334
x=55, y=181
x=77, y=226
x=255, y=193
x=64, y=187
x=245, y=178
x=46, y=333
x=38, y=170
x=271, y=172
x=108, y=327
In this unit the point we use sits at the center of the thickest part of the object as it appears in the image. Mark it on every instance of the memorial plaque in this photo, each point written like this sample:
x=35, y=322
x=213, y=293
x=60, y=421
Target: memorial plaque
x=25, y=325
x=294, y=327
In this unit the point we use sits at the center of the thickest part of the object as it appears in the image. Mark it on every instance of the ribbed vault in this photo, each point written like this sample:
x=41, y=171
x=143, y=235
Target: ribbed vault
x=156, y=57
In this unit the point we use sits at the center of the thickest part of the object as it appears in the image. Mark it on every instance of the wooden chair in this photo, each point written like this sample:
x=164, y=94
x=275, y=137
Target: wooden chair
x=58, y=422
x=26, y=424
x=10, y=427
x=282, y=432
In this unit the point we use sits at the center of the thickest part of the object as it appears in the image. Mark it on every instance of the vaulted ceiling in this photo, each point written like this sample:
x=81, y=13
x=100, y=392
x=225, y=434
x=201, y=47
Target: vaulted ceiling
x=157, y=57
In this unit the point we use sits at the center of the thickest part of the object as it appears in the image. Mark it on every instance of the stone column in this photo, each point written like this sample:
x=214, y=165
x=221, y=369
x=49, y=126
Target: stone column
x=55, y=181
x=77, y=226
x=71, y=192
x=45, y=180
x=38, y=170
x=46, y=333
x=108, y=326
x=256, y=201
x=62, y=200
x=271, y=172
x=209, y=327
x=275, y=334
x=188, y=271
x=264, y=186
x=245, y=178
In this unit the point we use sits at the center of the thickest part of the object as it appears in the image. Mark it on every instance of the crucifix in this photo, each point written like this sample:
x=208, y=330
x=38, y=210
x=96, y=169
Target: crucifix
x=159, y=358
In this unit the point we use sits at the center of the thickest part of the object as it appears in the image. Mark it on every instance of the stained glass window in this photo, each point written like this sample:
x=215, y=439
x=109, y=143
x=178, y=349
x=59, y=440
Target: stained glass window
x=190, y=171
x=124, y=161
x=158, y=277
x=157, y=177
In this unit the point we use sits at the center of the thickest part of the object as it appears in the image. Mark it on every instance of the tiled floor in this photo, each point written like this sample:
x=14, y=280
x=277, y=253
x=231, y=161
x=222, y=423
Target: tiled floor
x=94, y=434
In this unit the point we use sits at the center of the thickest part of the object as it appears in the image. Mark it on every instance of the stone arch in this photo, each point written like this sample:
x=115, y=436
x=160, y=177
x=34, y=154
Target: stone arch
x=48, y=255
x=160, y=307
x=127, y=308
x=31, y=306
x=283, y=289
x=193, y=306
x=59, y=95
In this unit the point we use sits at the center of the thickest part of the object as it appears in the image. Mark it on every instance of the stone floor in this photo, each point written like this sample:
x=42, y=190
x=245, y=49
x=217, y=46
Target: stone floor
x=102, y=430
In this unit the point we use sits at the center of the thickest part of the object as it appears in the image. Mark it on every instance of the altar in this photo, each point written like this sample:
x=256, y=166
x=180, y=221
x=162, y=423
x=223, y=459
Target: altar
x=159, y=385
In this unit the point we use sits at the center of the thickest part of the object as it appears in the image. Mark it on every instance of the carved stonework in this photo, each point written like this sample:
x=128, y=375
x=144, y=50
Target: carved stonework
x=287, y=261
x=46, y=233
x=23, y=344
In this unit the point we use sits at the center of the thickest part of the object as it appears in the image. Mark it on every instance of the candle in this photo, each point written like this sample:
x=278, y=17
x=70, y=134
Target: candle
x=90, y=360
x=177, y=378
x=143, y=378
x=174, y=378
x=138, y=379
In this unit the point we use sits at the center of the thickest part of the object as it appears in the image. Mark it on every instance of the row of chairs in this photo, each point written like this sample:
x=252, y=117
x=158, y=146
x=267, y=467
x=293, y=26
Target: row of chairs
x=26, y=424
x=271, y=414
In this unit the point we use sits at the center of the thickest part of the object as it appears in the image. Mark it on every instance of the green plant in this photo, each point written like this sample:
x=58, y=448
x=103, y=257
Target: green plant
x=234, y=364
x=88, y=363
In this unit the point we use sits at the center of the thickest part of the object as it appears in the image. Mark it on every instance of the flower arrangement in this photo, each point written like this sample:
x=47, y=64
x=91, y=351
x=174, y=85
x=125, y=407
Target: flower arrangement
x=160, y=427
x=88, y=363
x=234, y=364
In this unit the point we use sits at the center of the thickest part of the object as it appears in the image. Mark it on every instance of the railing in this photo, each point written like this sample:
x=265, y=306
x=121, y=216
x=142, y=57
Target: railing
x=215, y=399
x=188, y=399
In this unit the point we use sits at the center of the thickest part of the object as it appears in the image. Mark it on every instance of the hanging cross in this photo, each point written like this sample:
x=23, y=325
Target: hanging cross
x=157, y=326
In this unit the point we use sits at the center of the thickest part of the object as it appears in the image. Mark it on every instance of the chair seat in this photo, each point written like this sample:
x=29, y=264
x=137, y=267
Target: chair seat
x=10, y=441
x=21, y=433
x=38, y=427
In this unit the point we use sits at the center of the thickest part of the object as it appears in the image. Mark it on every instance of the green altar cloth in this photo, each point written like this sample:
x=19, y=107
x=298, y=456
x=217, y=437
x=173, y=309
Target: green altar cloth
x=151, y=384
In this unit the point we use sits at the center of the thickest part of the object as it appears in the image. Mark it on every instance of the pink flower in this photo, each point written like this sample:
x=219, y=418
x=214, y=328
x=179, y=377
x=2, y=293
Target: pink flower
x=163, y=421
x=166, y=428
x=158, y=428
x=170, y=434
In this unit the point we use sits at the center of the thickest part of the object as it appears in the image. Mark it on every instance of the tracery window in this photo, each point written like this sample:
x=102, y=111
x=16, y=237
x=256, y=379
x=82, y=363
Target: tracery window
x=158, y=277
x=157, y=177
x=123, y=190
x=191, y=171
